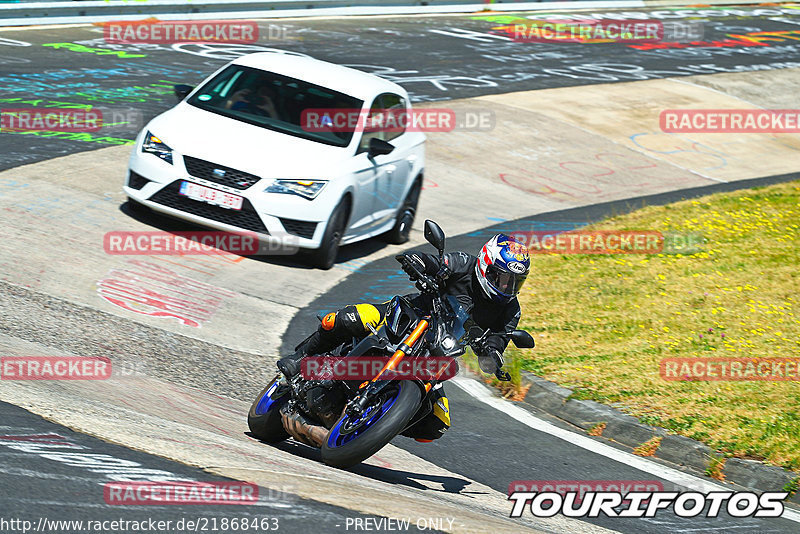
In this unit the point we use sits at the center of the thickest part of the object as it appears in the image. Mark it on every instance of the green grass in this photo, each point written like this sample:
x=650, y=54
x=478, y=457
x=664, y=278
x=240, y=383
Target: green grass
x=514, y=389
x=603, y=323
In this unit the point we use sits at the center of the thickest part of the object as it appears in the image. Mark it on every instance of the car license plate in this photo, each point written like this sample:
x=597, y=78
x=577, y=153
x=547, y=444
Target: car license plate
x=212, y=196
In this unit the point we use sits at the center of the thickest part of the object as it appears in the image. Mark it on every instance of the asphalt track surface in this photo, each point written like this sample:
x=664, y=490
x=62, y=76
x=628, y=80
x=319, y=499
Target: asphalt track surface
x=43, y=483
x=435, y=58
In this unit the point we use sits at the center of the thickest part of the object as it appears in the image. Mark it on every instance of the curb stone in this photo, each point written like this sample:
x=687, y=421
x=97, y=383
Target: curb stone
x=754, y=474
x=627, y=430
x=685, y=451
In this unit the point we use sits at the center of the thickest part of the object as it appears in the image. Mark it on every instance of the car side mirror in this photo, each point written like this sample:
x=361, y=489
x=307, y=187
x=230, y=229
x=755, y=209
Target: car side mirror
x=522, y=339
x=379, y=147
x=435, y=236
x=182, y=91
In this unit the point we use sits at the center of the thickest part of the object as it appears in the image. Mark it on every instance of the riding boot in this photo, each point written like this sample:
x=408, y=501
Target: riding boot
x=320, y=341
x=335, y=328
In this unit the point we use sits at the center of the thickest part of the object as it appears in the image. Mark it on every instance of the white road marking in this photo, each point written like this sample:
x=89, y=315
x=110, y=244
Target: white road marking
x=483, y=394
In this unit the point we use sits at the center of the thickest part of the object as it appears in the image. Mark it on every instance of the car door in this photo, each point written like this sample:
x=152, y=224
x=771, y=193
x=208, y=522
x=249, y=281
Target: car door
x=371, y=175
x=362, y=219
x=396, y=166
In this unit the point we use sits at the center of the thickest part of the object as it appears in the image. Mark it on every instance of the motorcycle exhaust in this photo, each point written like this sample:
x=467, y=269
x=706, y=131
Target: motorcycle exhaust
x=303, y=430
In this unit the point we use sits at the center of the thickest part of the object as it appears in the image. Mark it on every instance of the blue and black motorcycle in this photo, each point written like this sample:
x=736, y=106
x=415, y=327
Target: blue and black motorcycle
x=350, y=420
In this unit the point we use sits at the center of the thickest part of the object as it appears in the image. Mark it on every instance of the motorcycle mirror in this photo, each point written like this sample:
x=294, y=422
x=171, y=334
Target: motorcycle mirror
x=522, y=339
x=434, y=235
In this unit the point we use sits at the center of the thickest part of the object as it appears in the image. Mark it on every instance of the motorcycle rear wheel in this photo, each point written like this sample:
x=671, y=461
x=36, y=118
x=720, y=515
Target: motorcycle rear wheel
x=352, y=441
x=264, y=417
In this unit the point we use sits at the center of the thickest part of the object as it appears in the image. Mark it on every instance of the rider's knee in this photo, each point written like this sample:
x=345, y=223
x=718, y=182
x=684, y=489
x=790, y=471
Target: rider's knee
x=339, y=326
x=339, y=323
x=356, y=318
x=369, y=315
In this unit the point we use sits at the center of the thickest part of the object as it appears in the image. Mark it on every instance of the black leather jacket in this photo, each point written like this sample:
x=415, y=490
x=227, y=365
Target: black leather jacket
x=463, y=284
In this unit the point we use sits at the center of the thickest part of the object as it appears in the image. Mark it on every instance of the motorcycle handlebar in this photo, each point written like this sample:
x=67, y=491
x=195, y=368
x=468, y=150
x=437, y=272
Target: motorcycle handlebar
x=424, y=282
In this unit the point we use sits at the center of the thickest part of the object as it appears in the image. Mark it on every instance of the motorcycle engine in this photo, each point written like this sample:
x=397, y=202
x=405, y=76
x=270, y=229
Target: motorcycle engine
x=325, y=403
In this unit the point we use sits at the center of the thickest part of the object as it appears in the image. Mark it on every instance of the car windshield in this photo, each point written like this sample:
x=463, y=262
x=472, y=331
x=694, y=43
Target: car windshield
x=272, y=101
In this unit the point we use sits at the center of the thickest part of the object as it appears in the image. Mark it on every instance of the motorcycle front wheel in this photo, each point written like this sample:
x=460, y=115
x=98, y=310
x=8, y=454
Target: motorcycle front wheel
x=353, y=440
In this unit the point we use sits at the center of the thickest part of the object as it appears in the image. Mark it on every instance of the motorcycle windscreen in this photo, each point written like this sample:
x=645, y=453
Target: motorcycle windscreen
x=400, y=318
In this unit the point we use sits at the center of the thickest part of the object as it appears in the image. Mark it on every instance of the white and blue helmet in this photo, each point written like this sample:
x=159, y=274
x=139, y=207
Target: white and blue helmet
x=502, y=267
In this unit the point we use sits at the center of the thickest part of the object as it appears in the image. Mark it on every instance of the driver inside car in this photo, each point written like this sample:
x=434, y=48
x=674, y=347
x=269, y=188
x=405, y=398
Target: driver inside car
x=259, y=102
x=486, y=286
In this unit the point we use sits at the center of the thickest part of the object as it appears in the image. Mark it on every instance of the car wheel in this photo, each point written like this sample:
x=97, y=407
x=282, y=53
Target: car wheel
x=325, y=256
x=401, y=231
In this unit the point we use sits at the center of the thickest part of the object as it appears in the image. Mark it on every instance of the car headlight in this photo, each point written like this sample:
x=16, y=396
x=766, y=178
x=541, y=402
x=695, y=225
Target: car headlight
x=305, y=188
x=154, y=145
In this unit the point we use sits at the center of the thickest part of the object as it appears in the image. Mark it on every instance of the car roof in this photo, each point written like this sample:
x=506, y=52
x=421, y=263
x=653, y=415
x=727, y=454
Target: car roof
x=345, y=80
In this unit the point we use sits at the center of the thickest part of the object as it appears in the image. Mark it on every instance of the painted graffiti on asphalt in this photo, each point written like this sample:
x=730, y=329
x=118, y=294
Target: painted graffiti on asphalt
x=149, y=289
x=99, y=51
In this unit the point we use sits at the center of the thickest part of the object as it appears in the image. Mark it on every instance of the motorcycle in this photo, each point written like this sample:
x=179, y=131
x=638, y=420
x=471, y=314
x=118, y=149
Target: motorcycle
x=350, y=420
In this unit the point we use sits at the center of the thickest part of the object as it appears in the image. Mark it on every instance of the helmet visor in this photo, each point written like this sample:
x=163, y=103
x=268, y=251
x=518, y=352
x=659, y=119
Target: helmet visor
x=505, y=282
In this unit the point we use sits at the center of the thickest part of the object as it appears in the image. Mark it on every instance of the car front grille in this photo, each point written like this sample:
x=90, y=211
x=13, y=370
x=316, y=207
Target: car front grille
x=246, y=218
x=299, y=228
x=136, y=181
x=219, y=173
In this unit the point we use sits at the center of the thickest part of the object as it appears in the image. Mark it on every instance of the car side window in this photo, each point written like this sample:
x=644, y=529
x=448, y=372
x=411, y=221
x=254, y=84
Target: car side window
x=386, y=120
x=371, y=130
x=396, y=106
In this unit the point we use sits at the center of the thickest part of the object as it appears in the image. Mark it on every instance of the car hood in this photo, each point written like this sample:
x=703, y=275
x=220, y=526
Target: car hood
x=266, y=153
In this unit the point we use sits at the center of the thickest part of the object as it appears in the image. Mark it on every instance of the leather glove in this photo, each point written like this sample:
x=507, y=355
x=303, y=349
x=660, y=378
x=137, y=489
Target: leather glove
x=423, y=262
x=444, y=273
x=491, y=361
x=409, y=262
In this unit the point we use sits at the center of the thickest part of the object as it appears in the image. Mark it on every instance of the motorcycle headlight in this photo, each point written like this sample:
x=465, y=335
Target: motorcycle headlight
x=154, y=145
x=305, y=188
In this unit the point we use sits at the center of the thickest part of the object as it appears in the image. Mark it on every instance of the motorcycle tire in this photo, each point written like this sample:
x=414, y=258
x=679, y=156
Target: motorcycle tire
x=264, y=417
x=344, y=449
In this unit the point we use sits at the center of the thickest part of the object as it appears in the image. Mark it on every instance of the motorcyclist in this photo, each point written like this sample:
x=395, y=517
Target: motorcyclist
x=486, y=286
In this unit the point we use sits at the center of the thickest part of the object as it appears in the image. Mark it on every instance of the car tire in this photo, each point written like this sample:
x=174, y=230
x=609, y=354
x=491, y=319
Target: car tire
x=404, y=220
x=325, y=256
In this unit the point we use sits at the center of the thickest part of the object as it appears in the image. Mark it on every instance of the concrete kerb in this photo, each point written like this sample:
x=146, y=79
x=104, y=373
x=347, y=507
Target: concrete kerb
x=627, y=430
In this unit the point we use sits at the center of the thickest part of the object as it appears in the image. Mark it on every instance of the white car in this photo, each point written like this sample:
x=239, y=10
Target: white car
x=237, y=153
